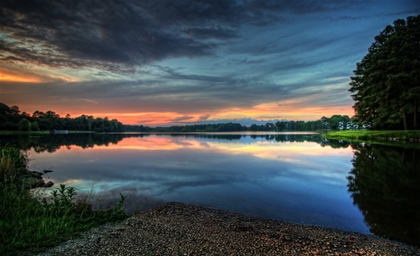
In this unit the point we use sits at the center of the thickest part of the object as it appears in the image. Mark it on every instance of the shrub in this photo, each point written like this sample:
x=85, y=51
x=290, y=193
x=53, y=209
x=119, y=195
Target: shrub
x=31, y=222
x=13, y=169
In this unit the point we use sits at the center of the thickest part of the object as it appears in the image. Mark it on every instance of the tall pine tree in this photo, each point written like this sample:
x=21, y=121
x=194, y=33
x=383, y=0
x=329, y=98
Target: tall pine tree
x=386, y=85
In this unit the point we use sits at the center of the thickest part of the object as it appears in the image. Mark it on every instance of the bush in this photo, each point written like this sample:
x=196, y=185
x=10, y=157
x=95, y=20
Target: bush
x=24, y=125
x=13, y=169
x=30, y=221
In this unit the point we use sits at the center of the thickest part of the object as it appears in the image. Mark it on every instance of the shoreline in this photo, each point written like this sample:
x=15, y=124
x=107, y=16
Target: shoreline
x=181, y=229
x=382, y=136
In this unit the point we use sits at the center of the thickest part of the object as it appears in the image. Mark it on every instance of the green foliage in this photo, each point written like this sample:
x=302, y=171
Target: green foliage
x=13, y=169
x=24, y=125
x=336, y=122
x=33, y=222
x=386, y=85
x=35, y=126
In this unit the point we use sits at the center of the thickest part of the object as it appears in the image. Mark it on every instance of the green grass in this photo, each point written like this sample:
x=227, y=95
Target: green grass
x=31, y=222
x=375, y=136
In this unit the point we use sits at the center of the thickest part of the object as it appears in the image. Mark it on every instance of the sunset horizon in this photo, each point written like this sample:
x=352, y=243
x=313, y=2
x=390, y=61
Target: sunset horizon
x=179, y=63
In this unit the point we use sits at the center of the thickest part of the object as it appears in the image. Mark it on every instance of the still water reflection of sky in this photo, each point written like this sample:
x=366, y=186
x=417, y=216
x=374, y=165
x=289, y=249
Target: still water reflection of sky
x=301, y=182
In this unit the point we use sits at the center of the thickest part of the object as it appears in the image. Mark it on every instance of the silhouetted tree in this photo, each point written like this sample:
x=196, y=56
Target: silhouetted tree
x=386, y=85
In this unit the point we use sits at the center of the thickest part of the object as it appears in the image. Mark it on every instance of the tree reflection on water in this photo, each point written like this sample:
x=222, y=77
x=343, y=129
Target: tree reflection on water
x=385, y=185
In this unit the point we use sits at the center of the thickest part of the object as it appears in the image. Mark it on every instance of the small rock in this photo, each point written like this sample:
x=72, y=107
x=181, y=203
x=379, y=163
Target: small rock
x=48, y=184
x=361, y=252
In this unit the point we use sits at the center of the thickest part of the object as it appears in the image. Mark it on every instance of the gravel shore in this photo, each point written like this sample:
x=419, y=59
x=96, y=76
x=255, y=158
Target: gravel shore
x=180, y=229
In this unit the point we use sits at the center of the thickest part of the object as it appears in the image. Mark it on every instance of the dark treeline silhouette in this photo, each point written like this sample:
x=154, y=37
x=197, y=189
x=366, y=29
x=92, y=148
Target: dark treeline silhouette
x=384, y=184
x=336, y=122
x=12, y=119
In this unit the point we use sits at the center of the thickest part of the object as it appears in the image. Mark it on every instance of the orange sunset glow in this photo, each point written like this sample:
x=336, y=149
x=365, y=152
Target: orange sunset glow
x=5, y=77
x=260, y=112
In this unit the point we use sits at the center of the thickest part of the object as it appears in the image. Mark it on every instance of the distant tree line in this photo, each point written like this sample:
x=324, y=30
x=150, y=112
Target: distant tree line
x=223, y=127
x=336, y=122
x=12, y=119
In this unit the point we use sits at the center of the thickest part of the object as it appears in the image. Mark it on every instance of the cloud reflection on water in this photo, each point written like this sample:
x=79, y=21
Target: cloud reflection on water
x=284, y=180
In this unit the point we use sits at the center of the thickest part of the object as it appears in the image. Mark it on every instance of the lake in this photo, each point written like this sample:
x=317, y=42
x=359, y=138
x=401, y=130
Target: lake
x=300, y=178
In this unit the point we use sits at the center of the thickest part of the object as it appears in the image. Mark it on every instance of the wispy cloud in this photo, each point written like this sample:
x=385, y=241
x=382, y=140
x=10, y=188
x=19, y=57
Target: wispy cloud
x=91, y=101
x=182, y=119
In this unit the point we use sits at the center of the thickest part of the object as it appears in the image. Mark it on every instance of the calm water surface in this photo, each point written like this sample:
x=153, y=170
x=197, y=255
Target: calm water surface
x=297, y=178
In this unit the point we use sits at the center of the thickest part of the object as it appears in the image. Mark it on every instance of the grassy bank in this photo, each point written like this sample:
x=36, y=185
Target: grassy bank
x=375, y=136
x=30, y=221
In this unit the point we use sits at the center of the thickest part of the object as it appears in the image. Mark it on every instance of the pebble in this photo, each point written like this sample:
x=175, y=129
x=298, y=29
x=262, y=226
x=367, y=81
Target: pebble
x=180, y=229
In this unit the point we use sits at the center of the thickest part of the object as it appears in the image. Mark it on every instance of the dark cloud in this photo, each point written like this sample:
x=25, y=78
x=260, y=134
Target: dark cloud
x=117, y=35
x=111, y=35
x=12, y=59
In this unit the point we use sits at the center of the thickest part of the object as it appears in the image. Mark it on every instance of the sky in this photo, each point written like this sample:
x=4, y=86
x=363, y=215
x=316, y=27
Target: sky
x=165, y=62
